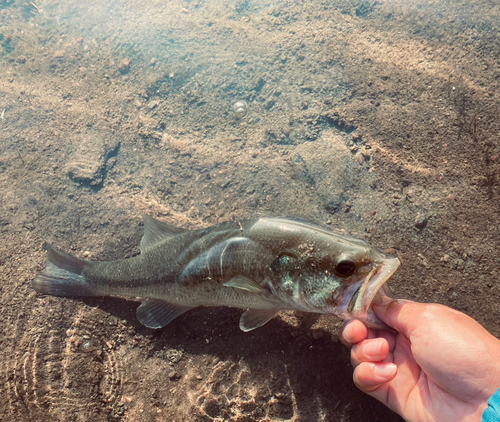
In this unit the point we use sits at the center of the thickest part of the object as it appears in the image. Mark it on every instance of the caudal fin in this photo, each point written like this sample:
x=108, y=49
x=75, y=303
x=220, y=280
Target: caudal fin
x=62, y=276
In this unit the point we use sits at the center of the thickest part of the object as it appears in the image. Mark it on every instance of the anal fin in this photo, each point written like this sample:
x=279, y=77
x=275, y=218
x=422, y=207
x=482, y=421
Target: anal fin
x=156, y=313
x=255, y=318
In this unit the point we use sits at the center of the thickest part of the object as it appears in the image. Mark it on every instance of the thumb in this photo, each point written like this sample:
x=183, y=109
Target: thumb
x=402, y=315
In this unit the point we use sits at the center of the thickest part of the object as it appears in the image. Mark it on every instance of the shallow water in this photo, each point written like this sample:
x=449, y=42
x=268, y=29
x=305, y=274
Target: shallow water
x=376, y=118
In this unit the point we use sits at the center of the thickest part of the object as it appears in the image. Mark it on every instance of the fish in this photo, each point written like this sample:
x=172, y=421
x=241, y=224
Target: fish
x=264, y=266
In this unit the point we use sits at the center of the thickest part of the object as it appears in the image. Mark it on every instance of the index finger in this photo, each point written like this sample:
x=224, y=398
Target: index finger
x=353, y=332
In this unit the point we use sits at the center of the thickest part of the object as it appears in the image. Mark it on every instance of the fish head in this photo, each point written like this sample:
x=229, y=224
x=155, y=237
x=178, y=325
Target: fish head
x=334, y=274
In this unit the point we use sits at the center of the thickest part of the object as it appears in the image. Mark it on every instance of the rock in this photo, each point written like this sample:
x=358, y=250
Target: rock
x=91, y=160
x=124, y=66
x=153, y=104
x=421, y=221
x=334, y=205
x=174, y=355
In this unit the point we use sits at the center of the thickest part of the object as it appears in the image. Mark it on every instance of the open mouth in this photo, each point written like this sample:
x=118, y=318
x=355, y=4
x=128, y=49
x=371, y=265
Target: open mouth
x=374, y=285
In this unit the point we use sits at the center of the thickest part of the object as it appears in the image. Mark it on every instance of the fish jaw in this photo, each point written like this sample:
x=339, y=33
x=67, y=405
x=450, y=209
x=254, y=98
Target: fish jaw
x=360, y=306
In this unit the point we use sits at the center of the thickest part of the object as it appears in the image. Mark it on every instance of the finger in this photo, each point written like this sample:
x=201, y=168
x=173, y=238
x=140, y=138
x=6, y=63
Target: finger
x=402, y=315
x=373, y=333
x=405, y=316
x=369, y=376
x=375, y=350
x=390, y=336
x=353, y=332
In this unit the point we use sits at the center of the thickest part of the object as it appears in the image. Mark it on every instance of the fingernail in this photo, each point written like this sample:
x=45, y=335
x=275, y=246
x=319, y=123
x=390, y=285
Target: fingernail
x=372, y=349
x=348, y=333
x=385, y=370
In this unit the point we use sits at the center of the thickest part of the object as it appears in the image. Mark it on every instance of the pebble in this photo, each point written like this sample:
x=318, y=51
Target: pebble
x=88, y=346
x=127, y=399
x=421, y=221
x=124, y=66
x=174, y=355
x=152, y=104
x=445, y=258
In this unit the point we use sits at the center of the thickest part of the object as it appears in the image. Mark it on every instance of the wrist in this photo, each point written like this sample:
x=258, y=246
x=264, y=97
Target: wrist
x=492, y=412
x=493, y=383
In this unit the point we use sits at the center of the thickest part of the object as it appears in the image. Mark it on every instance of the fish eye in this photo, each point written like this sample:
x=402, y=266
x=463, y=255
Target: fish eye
x=345, y=267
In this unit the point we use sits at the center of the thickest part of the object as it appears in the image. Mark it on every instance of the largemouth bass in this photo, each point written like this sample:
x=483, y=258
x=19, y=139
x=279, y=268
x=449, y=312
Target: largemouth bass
x=263, y=265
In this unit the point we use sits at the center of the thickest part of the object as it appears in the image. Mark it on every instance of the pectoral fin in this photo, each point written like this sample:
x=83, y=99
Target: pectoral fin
x=244, y=283
x=155, y=313
x=255, y=318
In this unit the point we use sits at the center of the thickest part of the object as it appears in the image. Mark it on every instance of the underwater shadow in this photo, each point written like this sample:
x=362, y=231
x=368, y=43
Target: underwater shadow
x=305, y=377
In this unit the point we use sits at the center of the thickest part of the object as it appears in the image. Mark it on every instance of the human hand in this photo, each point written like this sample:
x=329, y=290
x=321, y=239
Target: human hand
x=440, y=365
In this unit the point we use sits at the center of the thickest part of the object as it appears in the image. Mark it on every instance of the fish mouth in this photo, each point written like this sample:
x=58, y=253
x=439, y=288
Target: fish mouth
x=373, y=286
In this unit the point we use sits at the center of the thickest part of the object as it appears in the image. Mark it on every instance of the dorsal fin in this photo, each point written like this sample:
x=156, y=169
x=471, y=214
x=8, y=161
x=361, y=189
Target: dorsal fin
x=156, y=231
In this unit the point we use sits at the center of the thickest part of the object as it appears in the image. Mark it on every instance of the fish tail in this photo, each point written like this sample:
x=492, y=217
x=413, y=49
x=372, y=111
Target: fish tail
x=63, y=275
